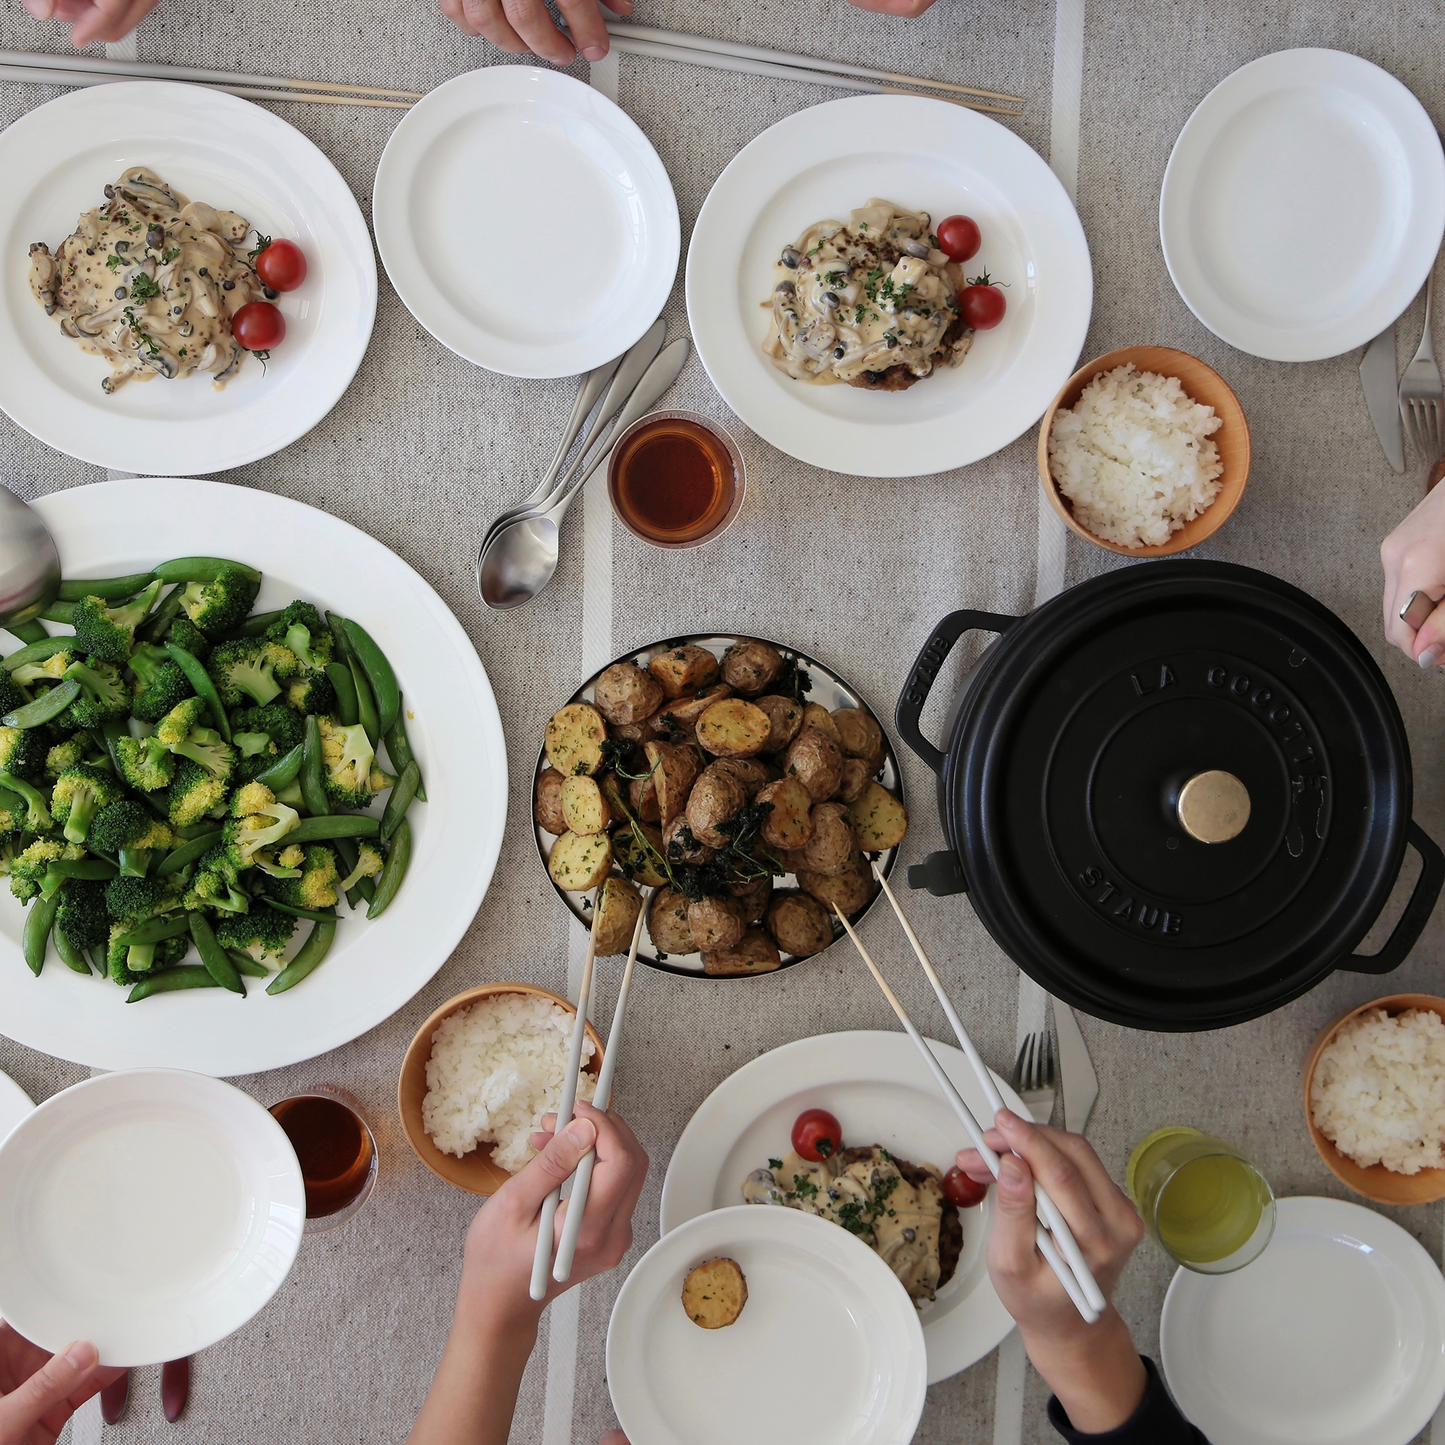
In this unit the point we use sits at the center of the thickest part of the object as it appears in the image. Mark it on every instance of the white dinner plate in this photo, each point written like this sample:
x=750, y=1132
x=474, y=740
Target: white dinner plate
x=114, y=528
x=827, y=1339
x=881, y=1093
x=926, y=155
x=215, y=148
x=526, y=221
x=1303, y=204
x=151, y=1211
x=1335, y=1335
x=14, y=1105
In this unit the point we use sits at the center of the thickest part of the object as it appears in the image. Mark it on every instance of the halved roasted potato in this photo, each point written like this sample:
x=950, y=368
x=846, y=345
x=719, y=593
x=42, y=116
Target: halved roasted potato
x=799, y=923
x=547, y=801
x=816, y=761
x=716, y=798
x=879, y=818
x=714, y=1294
x=642, y=798
x=584, y=808
x=858, y=733
x=627, y=694
x=580, y=861
x=789, y=823
x=679, y=845
x=815, y=715
x=733, y=728
x=667, y=922
x=786, y=717
x=574, y=741
x=679, y=714
x=853, y=779
x=674, y=771
x=715, y=923
x=618, y=904
x=753, y=773
x=849, y=890
x=636, y=861
x=754, y=952
x=684, y=670
x=834, y=844
x=752, y=898
x=749, y=666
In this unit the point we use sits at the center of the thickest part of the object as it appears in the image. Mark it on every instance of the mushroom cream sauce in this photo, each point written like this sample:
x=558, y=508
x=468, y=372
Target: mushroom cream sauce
x=150, y=281
x=873, y=303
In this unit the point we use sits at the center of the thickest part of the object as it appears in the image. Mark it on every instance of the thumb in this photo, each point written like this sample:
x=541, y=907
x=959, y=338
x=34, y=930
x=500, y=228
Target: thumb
x=49, y=1386
x=555, y=1164
x=1011, y=1247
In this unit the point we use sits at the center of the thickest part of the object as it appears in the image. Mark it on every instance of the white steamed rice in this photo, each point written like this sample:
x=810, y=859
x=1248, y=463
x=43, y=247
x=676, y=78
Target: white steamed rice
x=1134, y=457
x=1379, y=1090
x=496, y=1067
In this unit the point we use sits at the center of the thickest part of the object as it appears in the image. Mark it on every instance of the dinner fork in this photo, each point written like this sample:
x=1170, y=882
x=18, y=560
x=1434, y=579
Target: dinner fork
x=1035, y=1077
x=1422, y=397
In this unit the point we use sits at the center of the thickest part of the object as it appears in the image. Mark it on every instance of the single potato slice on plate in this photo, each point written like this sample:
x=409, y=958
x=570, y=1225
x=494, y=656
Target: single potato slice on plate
x=580, y=861
x=584, y=809
x=714, y=1293
x=674, y=771
x=636, y=861
x=618, y=905
x=684, y=670
x=547, y=802
x=734, y=728
x=574, y=739
x=880, y=819
x=789, y=823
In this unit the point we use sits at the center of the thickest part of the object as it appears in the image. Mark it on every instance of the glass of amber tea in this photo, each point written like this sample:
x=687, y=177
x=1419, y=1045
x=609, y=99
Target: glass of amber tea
x=336, y=1151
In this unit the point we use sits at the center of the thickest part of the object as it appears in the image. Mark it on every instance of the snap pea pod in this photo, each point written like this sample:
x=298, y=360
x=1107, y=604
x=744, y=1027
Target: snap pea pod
x=378, y=671
x=111, y=589
x=39, y=921
x=334, y=621
x=307, y=960
x=313, y=790
x=214, y=959
x=400, y=800
x=393, y=871
x=154, y=627
x=247, y=965
x=200, y=679
x=318, y=915
x=96, y=869
x=44, y=708
x=333, y=825
x=188, y=853
x=398, y=749
x=111, y=731
x=346, y=850
x=153, y=930
x=32, y=631
x=366, y=713
x=283, y=770
x=341, y=681
x=256, y=624
x=58, y=611
x=36, y=651
x=200, y=569
x=70, y=955
x=172, y=980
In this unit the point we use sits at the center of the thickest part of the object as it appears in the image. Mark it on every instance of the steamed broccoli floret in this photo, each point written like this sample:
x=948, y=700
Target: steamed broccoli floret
x=276, y=720
x=194, y=792
x=28, y=869
x=348, y=755
x=368, y=864
x=217, y=883
x=263, y=932
x=208, y=748
x=247, y=668
x=301, y=630
x=131, y=900
x=316, y=887
x=103, y=695
x=311, y=693
x=159, y=684
x=37, y=810
x=22, y=751
x=129, y=964
x=83, y=917
x=10, y=696
x=52, y=669
x=109, y=632
x=66, y=754
x=129, y=828
x=80, y=792
x=145, y=763
x=10, y=850
x=189, y=638
x=257, y=821
x=176, y=725
x=222, y=605
x=12, y=813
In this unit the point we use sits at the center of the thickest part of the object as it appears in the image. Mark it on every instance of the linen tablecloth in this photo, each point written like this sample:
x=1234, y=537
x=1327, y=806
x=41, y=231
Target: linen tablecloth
x=424, y=448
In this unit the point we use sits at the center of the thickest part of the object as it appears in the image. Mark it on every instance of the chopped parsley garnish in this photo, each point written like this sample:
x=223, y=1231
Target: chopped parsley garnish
x=775, y=1163
x=143, y=288
x=113, y=262
x=145, y=337
x=170, y=255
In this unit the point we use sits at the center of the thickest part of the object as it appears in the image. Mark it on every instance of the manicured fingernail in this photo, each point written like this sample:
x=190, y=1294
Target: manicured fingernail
x=594, y=53
x=1430, y=656
x=581, y=1132
x=81, y=1354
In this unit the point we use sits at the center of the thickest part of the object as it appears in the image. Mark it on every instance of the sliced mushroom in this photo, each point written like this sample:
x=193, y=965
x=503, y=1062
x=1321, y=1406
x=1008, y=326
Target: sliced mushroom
x=233, y=365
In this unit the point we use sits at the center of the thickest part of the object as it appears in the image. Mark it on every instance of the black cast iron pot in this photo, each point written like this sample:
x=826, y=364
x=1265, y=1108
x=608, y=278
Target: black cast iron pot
x=1178, y=795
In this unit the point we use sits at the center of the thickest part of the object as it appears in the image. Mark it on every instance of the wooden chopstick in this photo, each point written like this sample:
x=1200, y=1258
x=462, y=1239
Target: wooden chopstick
x=150, y=70
x=83, y=79
x=1072, y=1280
x=715, y=60
x=577, y=1200
x=802, y=62
x=565, y=1108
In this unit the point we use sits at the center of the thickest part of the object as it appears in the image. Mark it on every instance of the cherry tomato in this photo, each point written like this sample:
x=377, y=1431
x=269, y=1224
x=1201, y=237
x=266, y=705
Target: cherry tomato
x=959, y=236
x=282, y=265
x=817, y=1134
x=258, y=326
x=959, y=1189
x=982, y=305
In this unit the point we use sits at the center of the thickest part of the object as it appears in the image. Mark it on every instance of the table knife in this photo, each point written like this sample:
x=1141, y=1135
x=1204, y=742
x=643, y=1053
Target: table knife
x=1381, y=382
x=1077, y=1081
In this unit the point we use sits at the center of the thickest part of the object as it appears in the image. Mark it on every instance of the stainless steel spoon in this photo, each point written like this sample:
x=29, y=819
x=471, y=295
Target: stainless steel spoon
x=519, y=559
x=29, y=563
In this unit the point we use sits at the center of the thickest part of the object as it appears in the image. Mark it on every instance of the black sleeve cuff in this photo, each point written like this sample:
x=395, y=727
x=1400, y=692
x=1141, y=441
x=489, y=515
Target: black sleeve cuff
x=1157, y=1421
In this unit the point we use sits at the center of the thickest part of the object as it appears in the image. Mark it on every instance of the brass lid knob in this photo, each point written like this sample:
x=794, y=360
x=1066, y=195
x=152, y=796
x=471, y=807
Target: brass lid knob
x=1213, y=807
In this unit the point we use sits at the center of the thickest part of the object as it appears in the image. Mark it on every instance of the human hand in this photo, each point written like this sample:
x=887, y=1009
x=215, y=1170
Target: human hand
x=1414, y=560
x=39, y=1391
x=92, y=20
x=522, y=26
x=1093, y=1369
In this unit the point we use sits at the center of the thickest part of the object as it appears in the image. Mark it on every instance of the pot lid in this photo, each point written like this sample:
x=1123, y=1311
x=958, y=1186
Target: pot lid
x=1179, y=792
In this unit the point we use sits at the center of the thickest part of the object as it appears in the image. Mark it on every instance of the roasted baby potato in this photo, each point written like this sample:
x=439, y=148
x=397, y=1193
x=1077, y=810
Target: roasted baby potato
x=789, y=823
x=667, y=922
x=853, y=779
x=786, y=717
x=733, y=728
x=584, y=808
x=815, y=715
x=574, y=739
x=547, y=802
x=859, y=733
x=627, y=694
x=849, y=890
x=798, y=923
x=716, y=798
x=681, y=847
x=753, y=773
x=642, y=798
x=681, y=713
x=580, y=861
x=817, y=763
x=634, y=732
x=636, y=861
x=752, y=898
x=834, y=844
x=714, y=1294
x=674, y=771
x=618, y=904
x=749, y=666
x=715, y=923
x=684, y=670
x=879, y=818
x=754, y=952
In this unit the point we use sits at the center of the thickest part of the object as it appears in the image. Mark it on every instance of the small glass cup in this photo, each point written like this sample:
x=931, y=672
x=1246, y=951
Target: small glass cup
x=1201, y=1200
x=336, y=1150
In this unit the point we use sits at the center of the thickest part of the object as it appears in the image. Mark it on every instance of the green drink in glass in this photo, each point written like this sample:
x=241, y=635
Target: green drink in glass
x=1201, y=1200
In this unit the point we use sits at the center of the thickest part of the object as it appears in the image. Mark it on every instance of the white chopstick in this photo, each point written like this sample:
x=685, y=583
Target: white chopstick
x=565, y=1108
x=715, y=60
x=577, y=1200
x=150, y=70
x=1048, y=1210
x=804, y=62
x=1073, y=1282
x=82, y=79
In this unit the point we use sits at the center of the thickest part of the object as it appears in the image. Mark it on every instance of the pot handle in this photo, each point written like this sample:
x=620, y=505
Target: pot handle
x=925, y=672
x=1417, y=910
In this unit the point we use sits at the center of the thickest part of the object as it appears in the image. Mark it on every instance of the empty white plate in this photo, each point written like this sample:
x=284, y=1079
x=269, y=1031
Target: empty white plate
x=1335, y=1335
x=1303, y=204
x=526, y=221
x=152, y=1212
x=828, y=1339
